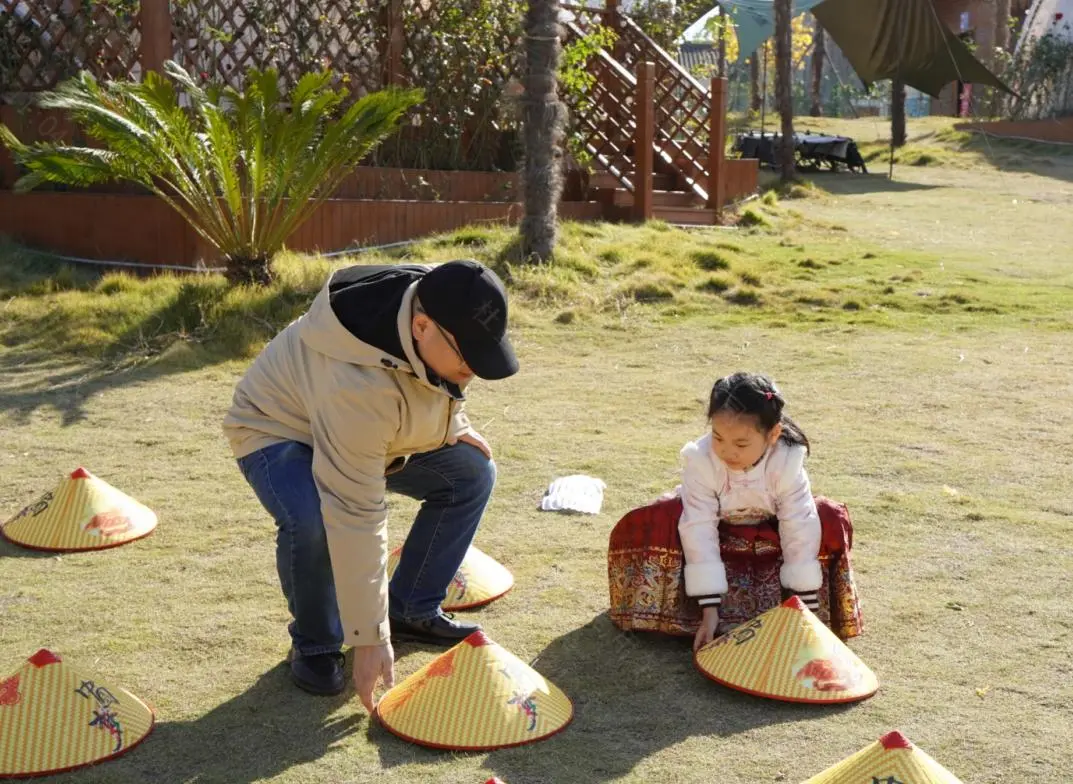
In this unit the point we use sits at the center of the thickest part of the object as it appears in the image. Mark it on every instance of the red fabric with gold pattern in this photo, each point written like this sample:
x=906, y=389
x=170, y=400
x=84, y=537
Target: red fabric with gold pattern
x=645, y=572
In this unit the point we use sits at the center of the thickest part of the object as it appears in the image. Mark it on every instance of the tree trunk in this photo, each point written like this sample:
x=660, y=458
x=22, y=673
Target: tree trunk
x=1002, y=24
x=897, y=112
x=245, y=271
x=723, y=50
x=543, y=118
x=754, y=81
x=783, y=86
x=1002, y=43
x=819, y=54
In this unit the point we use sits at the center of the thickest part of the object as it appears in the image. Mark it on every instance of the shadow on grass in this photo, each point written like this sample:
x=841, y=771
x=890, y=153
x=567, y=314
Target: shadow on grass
x=847, y=183
x=34, y=382
x=958, y=148
x=1028, y=157
x=261, y=733
x=73, y=334
x=633, y=695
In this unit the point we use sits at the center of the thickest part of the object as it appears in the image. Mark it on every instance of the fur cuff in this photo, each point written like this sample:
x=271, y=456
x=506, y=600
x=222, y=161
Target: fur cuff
x=706, y=579
x=801, y=577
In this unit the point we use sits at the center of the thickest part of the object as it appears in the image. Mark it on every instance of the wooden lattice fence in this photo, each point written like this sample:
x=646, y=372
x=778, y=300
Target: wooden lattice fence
x=43, y=42
x=463, y=53
x=221, y=39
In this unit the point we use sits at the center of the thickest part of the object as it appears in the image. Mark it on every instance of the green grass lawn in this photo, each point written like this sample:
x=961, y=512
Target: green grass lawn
x=921, y=330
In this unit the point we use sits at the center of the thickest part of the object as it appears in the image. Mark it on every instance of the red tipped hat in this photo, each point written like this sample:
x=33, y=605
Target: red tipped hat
x=54, y=717
x=474, y=697
x=83, y=512
x=787, y=654
x=892, y=758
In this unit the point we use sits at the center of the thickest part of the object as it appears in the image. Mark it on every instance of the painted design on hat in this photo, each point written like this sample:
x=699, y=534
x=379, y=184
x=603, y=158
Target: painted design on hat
x=9, y=691
x=742, y=634
x=36, y=508
x=527, y=705
x=103, y=715
x=441, y=667
x=825, y=671
x=110, y=523
x=459, y=581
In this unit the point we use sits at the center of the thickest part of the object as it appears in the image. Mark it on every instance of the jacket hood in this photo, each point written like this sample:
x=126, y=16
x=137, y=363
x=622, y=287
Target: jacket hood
x=322, y=331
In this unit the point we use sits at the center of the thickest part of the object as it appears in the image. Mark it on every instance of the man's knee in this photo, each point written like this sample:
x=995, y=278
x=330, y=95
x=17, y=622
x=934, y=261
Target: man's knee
x=477, y=470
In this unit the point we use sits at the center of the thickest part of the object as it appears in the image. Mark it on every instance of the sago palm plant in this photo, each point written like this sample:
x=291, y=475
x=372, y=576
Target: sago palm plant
x=244, y=169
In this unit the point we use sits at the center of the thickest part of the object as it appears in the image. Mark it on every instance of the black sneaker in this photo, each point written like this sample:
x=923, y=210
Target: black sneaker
x=441, y=629
x=321, y=674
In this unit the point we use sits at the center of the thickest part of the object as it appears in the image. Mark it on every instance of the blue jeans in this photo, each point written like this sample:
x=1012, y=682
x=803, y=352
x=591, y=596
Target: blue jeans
x=453, y=484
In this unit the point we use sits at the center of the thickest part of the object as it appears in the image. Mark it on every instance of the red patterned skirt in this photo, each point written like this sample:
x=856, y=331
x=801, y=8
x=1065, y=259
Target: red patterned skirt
x=645, y=571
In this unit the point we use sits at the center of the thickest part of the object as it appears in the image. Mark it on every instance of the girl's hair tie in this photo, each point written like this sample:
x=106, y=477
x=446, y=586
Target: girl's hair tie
x=769, y=395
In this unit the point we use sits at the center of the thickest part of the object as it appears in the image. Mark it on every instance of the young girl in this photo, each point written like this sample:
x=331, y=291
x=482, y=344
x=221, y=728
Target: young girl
x=747, y=469
x=742, y=531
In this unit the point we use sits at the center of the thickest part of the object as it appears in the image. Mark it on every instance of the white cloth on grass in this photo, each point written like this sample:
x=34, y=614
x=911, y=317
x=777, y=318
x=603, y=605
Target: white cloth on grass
x=575, y=493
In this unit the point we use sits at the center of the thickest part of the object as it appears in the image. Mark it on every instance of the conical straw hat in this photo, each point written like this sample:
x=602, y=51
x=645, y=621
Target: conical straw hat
x=54, y=718
x=890, y=760
x=474, y=697
x=787, y=654
x=479, y=580
x=82, y=513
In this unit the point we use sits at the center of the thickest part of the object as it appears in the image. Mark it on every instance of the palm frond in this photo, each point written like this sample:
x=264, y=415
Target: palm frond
x=345, y=142
x=243, y=168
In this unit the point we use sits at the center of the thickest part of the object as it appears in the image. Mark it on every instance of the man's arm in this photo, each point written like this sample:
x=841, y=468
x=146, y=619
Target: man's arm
x=351, y=431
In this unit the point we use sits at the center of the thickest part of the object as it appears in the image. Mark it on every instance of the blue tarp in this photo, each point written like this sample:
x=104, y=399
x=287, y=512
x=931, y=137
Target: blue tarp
x=754, y=21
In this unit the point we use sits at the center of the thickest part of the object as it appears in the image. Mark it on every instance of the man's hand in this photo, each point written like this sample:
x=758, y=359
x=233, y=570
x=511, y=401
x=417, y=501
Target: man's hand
x=708, y=625
x=473, y=438
x=371, y=663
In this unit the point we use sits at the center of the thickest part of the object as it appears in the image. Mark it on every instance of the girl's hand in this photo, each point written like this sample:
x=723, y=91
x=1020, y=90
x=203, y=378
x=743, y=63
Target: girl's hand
x=708, y=625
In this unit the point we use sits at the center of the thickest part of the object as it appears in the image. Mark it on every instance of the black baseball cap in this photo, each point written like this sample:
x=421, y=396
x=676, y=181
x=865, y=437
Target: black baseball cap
x=469, y=300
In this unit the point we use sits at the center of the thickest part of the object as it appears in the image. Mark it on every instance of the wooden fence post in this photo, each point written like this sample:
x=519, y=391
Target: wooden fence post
x=611, y=14
x=613, y=21
x=392, y=42
x=643, y=158
x=717, y=129
x=154, y=17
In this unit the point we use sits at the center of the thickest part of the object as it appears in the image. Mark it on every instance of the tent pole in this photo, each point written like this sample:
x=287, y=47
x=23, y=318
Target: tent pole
x=897, y=81
x=763, y=94
x=890, y=174
x=852, y=108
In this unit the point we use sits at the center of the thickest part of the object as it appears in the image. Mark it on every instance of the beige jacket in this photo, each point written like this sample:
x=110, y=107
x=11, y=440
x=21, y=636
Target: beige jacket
x=361, y=411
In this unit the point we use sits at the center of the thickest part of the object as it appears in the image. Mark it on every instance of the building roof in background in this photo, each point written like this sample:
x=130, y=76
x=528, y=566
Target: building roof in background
x=694, y=56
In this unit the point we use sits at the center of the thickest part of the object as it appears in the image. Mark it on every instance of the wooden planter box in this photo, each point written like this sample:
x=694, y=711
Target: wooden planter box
x=141, y=228
x=1058, y=130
